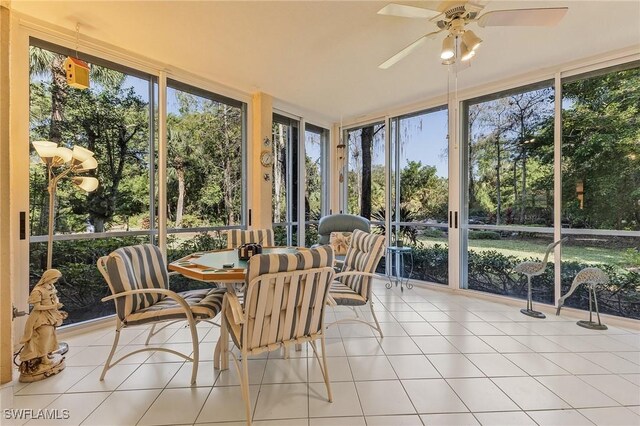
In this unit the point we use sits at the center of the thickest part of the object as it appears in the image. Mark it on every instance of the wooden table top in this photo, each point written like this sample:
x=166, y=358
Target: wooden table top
x=208, y=266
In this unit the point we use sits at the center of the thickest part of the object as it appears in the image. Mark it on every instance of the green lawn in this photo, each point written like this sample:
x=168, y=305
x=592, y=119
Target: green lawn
x=524, y=248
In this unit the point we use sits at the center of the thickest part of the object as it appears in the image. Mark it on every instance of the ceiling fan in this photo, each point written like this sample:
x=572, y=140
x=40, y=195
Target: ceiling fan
x=453, y=18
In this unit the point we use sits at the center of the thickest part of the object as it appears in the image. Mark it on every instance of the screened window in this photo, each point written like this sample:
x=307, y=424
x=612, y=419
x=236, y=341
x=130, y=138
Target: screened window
x=114, y=118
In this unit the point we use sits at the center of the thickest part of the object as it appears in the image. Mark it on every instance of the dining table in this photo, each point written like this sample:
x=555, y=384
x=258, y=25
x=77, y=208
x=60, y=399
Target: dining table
x=220, y=266
x=225, y=267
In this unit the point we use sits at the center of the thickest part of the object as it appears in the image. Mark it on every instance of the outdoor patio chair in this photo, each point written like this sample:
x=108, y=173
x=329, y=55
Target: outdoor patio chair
x=340, y=223
x=284, y=304
x=341, y=226
x=352, y=286
x=238, y=237
x=139, y=284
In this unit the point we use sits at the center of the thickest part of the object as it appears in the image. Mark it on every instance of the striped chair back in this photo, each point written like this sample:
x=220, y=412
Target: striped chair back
x=238, y=237
x=364, y=254
x=133, y=268
x=286, y=297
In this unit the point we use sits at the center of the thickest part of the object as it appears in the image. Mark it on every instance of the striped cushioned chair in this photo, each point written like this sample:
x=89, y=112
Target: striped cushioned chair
x=284, y=303
x=352, y=286
x=139, y=284
x=238, y=237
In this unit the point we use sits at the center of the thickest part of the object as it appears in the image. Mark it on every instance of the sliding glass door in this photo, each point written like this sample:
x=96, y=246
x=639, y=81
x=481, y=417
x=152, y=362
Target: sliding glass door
x=420, y=171
x=509, y=181
x=286, y=136
x=601, y=186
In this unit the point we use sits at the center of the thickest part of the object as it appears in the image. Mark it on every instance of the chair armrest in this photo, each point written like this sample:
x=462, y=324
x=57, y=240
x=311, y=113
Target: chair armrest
x=236, y=308
x=169, y=293
x=347, y=273
x=330, y=300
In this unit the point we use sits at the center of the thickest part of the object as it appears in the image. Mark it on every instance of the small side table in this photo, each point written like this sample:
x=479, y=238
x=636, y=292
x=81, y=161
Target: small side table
x=399, y=254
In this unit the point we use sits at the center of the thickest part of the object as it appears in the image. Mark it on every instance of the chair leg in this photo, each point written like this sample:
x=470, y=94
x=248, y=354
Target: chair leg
x=153, y=327
x=375, y=318
x=107, y=364
x=327, y=382
x=244, y=384
x=196, y=350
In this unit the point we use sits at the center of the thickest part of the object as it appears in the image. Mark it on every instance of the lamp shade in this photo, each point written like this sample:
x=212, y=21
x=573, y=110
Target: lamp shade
x=471, y=40
x=45, y=149
x=465, y=52
x=88, y=164
x=63, y=155
x=81, y=154
x=88, y=184
x=448, y=48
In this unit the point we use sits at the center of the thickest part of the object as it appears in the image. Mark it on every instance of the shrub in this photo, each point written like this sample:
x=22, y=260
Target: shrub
x=484, y=235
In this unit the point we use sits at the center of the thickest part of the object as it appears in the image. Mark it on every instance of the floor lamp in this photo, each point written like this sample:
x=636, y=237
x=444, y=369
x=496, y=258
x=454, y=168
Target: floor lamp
x=61, y=163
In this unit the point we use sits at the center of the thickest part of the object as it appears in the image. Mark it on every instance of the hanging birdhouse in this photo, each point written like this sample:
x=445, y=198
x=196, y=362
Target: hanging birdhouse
x=77, y=73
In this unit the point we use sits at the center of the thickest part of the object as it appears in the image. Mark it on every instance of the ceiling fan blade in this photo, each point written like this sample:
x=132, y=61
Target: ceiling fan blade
x=405, y=11
x=544, y=17
x=406, y=51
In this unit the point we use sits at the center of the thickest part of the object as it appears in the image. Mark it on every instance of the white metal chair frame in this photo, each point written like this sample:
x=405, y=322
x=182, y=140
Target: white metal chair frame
x=240, y=318
x=357, y=318
x=191, y=321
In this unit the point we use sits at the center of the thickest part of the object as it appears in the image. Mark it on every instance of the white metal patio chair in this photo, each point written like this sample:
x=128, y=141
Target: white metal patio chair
x=284, y=305
x=352, y=286
x=238, y=237
x=139, y=283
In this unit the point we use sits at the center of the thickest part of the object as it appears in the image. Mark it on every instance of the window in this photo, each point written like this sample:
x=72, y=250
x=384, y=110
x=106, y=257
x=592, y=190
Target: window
x=316, y=181
x=600, y=186
x=365, y=175
x=510, y=189
x=115, y=120
x=285, y=180
x=419, y=213
x=205, y=169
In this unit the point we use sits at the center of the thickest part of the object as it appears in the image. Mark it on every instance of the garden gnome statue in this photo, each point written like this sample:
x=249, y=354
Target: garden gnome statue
x=37, y=361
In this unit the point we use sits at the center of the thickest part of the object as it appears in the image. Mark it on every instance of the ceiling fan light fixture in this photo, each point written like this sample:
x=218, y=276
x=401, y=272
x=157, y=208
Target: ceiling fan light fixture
x=448, y=48
x=465, y=52
x=471, y=40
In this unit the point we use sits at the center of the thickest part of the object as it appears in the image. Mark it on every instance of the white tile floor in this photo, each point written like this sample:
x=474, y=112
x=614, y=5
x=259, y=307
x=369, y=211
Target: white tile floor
x=445, y=360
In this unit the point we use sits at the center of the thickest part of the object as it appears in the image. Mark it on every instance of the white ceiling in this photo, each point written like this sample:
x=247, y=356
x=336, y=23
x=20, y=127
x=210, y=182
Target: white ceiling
x=322, y=56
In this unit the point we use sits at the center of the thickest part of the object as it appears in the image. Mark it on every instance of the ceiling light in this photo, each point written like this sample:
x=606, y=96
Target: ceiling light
x=471, y=40
x=448, y=48
x=465, y=52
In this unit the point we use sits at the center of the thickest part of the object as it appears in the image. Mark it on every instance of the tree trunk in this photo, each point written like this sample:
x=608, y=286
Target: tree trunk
x=98, y=223
x=181, y=191
x=472, y=184
x=366, y=140
x=228, y=171
x=58, y=98
x=523, y=193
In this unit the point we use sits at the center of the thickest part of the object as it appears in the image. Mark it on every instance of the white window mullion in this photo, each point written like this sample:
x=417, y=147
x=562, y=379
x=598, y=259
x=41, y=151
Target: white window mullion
x=302, y=181
x=557, y=185
x=162, y=163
